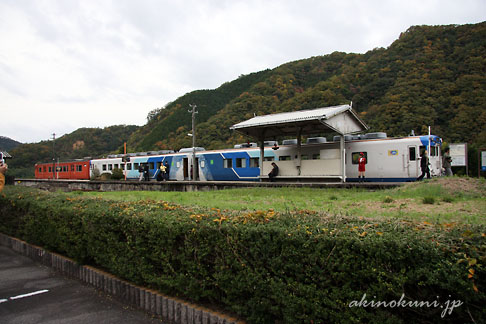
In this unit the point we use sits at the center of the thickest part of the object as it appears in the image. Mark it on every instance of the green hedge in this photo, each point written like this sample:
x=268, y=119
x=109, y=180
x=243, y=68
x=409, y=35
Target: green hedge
x=297, y=267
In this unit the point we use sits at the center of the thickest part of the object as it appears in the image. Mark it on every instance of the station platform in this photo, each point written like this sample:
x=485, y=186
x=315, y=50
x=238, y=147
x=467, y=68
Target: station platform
x=87, y=185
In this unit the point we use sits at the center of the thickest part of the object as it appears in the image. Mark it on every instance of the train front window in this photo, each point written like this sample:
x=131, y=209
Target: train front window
x=434, y=150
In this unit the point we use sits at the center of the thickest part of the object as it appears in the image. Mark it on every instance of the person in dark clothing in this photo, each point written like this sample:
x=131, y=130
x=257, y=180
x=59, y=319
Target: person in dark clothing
x=424, y=165
x=446, y=163
x=167, y=170
x=274, y=172
x=146, y=172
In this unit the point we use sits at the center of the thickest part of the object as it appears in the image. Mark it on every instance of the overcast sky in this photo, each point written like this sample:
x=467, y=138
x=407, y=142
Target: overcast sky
x=66, y=64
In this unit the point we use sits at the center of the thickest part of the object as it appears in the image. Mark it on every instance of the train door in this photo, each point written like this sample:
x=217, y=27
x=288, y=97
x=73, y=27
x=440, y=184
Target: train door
x=412, y=162
x=197, y=169
x=186, y=168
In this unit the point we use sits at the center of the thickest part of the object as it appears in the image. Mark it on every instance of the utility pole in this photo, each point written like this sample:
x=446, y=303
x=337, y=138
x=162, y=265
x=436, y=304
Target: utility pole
x=193, y=111
x=53, y=157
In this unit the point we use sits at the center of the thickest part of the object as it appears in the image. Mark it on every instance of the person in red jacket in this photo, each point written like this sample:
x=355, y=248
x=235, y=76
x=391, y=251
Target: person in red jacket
x=361, y=167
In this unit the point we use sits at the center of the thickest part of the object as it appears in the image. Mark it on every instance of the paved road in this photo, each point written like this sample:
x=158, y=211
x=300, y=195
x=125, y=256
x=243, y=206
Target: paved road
x=33, y=293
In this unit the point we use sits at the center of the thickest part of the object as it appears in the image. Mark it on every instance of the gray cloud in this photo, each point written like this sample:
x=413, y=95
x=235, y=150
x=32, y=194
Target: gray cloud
x=111, y=62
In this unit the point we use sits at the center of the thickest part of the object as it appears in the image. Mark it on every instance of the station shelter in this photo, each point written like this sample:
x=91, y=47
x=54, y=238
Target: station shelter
x=340, y=120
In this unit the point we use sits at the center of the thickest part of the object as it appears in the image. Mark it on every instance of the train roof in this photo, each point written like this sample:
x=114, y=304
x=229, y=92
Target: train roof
x=312, y=141
x=66, y=161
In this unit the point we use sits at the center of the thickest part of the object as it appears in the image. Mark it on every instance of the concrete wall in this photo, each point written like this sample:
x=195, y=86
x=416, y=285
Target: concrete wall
x=84, y=185
x=170, y=310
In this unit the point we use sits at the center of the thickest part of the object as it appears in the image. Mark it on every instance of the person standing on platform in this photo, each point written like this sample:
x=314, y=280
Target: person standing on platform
x=167, y=170
x=446, y=163
x=146, y=172
x=161, y=174
x=361, y=167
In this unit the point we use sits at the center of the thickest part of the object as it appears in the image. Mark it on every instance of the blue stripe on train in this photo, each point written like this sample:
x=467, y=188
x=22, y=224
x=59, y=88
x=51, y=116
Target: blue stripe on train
x=382, y=179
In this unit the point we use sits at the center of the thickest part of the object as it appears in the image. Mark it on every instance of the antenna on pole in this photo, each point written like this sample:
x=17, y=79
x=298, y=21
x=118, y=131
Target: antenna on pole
x=53, y=156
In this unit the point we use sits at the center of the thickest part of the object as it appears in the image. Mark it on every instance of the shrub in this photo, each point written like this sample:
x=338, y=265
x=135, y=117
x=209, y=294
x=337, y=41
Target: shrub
x=447, y=199
x=117, y=174
x=267, y=267
x=428, y=200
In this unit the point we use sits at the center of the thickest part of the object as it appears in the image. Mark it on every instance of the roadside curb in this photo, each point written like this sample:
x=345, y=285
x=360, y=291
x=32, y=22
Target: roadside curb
x=172, y=310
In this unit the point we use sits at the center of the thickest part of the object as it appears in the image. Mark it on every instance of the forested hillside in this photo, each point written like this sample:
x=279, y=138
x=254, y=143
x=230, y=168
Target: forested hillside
x=6, y=144
x=84, y=142
x=431, y=75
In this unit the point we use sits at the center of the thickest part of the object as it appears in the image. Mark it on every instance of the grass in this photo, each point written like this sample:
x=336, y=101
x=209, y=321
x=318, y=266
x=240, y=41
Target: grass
x=441, y=200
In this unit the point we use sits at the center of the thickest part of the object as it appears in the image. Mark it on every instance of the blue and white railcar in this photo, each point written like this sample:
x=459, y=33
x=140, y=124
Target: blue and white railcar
x=392, y=159
x=388, y=159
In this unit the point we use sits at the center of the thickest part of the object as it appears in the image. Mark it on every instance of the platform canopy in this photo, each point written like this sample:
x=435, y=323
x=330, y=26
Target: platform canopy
x=337, y=119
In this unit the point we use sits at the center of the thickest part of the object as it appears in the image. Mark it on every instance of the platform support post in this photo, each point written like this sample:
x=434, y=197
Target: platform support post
x=343, y=158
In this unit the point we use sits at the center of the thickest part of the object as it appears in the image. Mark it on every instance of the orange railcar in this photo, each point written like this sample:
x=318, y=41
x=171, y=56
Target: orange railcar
x=75, y=170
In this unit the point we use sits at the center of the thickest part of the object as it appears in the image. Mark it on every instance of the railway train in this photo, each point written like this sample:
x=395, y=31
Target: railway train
x=388, y=160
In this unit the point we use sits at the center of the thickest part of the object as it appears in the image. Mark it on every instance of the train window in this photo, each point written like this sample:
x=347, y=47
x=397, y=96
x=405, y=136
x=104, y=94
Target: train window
x=316, y=156
x=241, y=163
x=129, y=166
x=135, y=166
x=104, y=167
x=110, y=167
x=202, y=164
x=228, y=163
x=355, y=157
x=269, y=158
x=40, y=169
x=254, y=162
x=285, y=158
x=434, y=150
x=72, y=168
x=412, y=153
x=50, y=169
x=151, y=165
x=65, y=168
x=79, y=168
x=304, y=157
